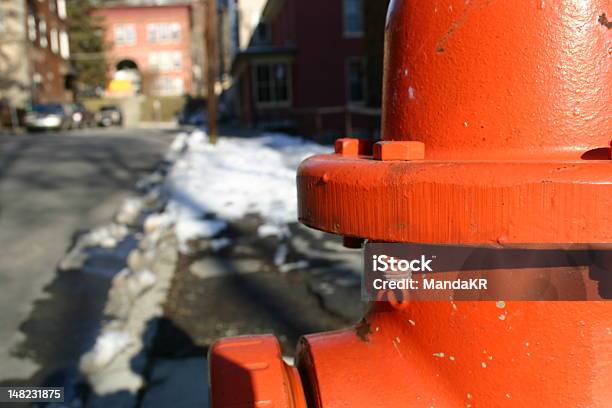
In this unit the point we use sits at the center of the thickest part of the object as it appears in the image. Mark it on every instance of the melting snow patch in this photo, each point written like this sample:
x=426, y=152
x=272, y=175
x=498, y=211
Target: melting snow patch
x=108, y=346
x=293, y=266
x=107, y=236
x=271, y=230
x=220, y=243
x=156, y=222
x=144, y=279
x=129, y=211
x=233, y=178
x=190, y=230
x=281, y=254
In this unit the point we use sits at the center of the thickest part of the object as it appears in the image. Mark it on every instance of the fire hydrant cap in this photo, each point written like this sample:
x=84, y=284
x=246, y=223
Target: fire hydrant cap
x=250, y=372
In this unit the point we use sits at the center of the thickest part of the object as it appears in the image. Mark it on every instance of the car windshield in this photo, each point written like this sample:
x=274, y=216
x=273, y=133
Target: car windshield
x=48, y=109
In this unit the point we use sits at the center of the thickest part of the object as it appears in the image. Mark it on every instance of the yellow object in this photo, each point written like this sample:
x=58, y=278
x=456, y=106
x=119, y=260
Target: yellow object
x=120, y=85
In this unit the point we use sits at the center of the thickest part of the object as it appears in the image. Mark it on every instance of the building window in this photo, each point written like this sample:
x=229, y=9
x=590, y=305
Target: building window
x=166, y=61
x=272, y=83
x=54, y=36
x=125, y=34
x=175, y=32
x=42, y=33
x=355, y=78
x=353, y=18
x=52, y=6
x=32, y=27
x=169, y=86
x=163, y=32
x=152, y=33
x=177, y=60
x=153, y=62
x=61, y=9
x=64, y=45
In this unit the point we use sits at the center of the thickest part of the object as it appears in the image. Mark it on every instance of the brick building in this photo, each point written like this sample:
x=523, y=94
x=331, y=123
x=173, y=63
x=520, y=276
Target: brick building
x=150, y=48
x=305, y=70
x=34, y=52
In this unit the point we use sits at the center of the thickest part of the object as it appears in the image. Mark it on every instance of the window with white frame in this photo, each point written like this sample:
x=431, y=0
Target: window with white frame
x=353, y=18
x=166, y=61
x=355, y=80
x=152, y=33
x=175, y=31
x=32, y=34
x=169, y=86
x=42, y=33
x=54, y=36
x=125, y=34
x=61, y=9
x=153, y=61
x=64, y=43
x=163, y=32
x=272, y=83
x=177, y=60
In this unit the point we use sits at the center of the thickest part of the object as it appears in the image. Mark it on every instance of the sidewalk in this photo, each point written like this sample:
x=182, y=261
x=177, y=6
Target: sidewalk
x=262, y=273
x=218, y=253
x=239, y=290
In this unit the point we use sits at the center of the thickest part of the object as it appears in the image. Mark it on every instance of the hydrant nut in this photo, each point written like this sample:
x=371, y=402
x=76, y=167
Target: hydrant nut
x=399, y=150
x=353, y=147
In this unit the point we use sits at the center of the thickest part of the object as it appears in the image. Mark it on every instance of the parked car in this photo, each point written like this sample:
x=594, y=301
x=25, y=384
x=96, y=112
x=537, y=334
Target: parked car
x=81, y=117
x=193, y=113
x=48, y=116
x=195, y=118
x=109, y=116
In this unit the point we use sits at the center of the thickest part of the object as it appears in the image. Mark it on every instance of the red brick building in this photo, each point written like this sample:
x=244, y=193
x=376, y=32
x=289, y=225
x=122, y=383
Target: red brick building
x=34, y=52
x=305, y=70
x=150, y=47
x=49, y=51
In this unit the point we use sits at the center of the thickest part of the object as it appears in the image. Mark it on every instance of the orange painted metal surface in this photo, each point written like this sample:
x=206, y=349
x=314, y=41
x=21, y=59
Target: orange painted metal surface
x=250, y=372
x=465, y=354
x=511, y=105
x=488, y=80
x=458, y=202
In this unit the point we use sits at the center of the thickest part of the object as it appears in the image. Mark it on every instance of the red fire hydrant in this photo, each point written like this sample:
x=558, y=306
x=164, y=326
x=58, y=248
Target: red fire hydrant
x=496, y=131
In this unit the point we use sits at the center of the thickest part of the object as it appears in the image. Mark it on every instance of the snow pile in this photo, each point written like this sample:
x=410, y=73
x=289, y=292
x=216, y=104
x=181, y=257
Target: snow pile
x=129, y=211
x=234, y=178
x=183, y=141
x=220, y=243
x=190, y=229
x=157, y=222
x=107, y=236
x=108, y=346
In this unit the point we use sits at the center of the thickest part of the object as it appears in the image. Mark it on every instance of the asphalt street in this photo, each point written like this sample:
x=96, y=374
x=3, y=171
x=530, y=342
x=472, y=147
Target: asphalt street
x=53, y=185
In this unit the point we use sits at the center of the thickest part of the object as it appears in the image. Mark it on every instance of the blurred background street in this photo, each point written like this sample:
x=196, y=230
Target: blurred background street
x=52, y=187
x=148, y=152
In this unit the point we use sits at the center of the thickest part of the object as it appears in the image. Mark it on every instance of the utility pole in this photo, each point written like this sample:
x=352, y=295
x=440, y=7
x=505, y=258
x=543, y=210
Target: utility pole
x=212, y=63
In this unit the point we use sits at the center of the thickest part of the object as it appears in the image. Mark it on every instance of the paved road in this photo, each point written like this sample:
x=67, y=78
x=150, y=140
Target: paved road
x=52, y=185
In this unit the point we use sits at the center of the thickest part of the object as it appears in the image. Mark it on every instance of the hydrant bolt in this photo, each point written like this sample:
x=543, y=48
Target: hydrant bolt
x=399, y=151
x=353, y=147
